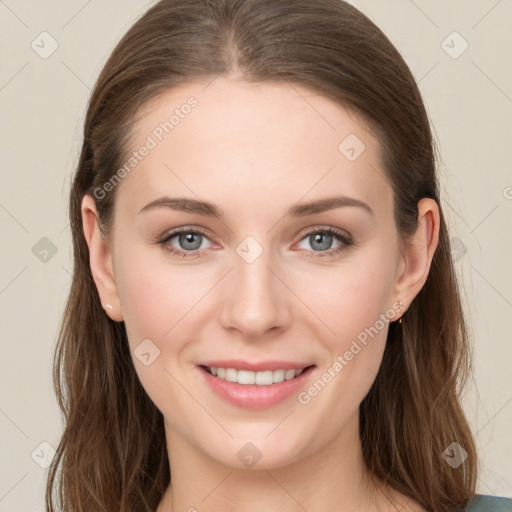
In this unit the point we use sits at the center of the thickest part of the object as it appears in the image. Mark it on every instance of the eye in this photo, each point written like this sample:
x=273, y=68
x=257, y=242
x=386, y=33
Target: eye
x=192, y=242
x=185, y=242
x=321, y=241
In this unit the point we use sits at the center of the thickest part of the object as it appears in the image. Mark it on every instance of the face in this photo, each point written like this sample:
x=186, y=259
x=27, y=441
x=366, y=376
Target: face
x=273, y=246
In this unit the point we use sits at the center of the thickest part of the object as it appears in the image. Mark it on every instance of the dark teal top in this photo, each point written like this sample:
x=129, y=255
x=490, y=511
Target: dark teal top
x=485, y=503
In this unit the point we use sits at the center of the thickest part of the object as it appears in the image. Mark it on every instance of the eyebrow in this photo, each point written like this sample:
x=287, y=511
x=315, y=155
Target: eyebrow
x=297, y=210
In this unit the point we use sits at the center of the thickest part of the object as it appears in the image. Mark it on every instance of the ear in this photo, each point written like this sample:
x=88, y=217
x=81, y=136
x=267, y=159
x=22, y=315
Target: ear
x=418, y=253
x=100, y=257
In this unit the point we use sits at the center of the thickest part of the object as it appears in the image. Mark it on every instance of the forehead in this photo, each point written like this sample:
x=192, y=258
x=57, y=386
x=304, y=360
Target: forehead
x=266, y=142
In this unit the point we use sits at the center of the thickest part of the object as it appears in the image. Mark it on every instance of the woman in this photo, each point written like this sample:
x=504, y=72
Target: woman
x=264, y=313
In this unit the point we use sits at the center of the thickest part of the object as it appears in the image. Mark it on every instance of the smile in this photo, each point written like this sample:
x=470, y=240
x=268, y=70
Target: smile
x=255, y=389
x=262, y=378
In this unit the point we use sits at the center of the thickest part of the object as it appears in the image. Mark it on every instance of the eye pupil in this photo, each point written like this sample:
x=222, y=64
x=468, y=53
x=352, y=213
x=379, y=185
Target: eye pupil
x=190, y=238
x=324, y=240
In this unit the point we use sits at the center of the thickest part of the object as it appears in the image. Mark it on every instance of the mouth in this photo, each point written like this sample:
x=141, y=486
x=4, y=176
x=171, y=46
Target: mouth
x=261, y=389
x=258, y=378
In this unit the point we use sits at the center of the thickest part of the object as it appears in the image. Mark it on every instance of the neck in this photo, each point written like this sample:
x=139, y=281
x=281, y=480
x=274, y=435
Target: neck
x=330, y=478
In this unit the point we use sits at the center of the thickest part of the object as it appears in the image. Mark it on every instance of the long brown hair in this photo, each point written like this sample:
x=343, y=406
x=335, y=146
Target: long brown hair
x=112, y=454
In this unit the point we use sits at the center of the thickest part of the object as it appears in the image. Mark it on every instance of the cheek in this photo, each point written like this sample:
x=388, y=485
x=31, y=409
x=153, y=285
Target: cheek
x=159, y=303
x=355, y=310
x=350, y=298
x=161, y=300
x=155, y=297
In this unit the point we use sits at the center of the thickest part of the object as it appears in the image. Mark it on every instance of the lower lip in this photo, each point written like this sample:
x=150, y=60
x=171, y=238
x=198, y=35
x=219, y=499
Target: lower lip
x=253, y=396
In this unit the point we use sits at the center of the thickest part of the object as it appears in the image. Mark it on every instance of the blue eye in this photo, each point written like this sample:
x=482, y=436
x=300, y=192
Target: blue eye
x=321, y=241
x=190, y=242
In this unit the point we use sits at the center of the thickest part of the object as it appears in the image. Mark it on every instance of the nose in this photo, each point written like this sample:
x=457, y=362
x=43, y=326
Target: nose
x=257, y=301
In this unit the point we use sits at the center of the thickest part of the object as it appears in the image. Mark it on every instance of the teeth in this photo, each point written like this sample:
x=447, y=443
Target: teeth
x=265, y=378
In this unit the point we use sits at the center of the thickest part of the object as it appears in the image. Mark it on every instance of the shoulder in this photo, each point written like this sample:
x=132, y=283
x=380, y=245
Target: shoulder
x=485, y=503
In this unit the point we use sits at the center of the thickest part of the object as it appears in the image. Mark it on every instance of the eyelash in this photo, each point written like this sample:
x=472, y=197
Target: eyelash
x=345, y=240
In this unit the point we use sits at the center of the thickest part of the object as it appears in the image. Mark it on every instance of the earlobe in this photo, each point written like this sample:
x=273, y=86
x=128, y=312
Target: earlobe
x=419, y=252
x=100, y=257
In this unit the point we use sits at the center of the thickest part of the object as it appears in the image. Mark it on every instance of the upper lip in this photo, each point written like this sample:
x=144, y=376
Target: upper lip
x=238, y=364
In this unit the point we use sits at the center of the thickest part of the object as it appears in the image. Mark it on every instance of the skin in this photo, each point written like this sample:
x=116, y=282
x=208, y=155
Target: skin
x=254, y=151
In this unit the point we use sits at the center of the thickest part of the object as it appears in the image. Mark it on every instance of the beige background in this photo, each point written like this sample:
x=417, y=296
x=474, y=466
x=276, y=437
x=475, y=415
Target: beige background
x=43, y=102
